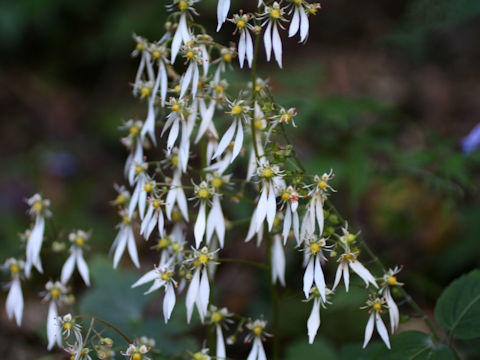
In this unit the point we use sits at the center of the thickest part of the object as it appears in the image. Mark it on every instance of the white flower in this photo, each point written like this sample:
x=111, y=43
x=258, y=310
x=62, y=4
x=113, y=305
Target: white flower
x=349, y=260
x=299, y=21
x=239, y=112
x=222, y=12
x=176, y=195
x=162, y=276
x=375, y=309
x=201, y=355
x=175, y=119
x=258, y=334
x=278, y=260
x=289, y=198
x=206, y=123
x=313, y=322
x=56, y=294
x=154, y=216
x=125, y=238
x=14, y=303
x=271, y=179
x=245, y=43
x=219, y=317
x=134, y=143
x=76, y=257
x=199, y=290
x=260, y=124
x=194, y=57
x=271, y=38
x=38, y=210
x=313, y=273
x=136, y=352
x=390, y=280
x=183, y=34
x=139, y=196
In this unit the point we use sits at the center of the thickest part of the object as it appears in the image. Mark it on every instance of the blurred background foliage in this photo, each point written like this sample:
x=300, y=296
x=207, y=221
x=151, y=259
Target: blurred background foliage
x=385, y=91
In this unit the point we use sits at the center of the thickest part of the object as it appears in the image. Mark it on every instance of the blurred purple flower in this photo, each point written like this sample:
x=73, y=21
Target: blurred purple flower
x=471, y=142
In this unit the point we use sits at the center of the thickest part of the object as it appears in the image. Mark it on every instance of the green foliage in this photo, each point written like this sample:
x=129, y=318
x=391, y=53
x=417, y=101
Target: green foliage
x=458, y=308
x=320, y=349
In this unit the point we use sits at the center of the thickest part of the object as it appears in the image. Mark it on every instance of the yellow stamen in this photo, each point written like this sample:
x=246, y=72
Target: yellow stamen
x=14, y=269
x=257, y=331
x=216, y=317
x=216, y=183
x=203, y=259
x=241, y=24
x=67, y=326
x=189, y=55
x=55, y=293
x=182, y=5
x=156, y=54
x=236, y=110
x=392, y=281
x=136, y=356
x=377, y=307
x=227, y=57
x=133, y=131
x=147, y=187
x=37, y=206
x=175, y=160
x=145, y=91
x=322, y=185
x=165, y=277
x=266, y=173
x=156, y=204
x=175, y=107
x=162, y=243
x=203, y=194
x=314, y=249
x=79, y=241
x=259, y=124
x=285, y=196
x=275, y=14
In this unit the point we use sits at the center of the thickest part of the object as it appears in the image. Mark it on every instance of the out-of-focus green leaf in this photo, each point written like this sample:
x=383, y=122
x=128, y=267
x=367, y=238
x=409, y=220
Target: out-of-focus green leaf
x=458, y=308
x=303, y=350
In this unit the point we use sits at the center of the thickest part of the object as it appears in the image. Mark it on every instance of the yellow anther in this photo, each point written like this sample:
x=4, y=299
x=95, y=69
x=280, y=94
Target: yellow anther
x=322, y=184
x=176, y=88
x=120, y=199
x=165, y=277
x=348, y=256
x=198, y=356
x=286, y=118
x=139, y=47
x=137, y=356
x=216, y=183
x=285, y=196
x=126, y=219
x=392, y=280
x=202, y=194
x=314, y=249
x=266, y=173
x=313, y=10
x=227, y=57
x=175, y=107
x=37, y=206
x=176, y=247
x=258, y=88
x=219, y=89
x=55, y=293
x=182, y=5
x=162, y=243
x=148, y=187
x=175, y=160
x=133, y=131
x=377, y=307
x=257, y=331
x=216, y=317
x=67, y=326
x=259, y=124
x=79, y=241
x=275, y=14
x=14, y=269
x=145, y=91
x=236, y=110
x=189, y=54
x=241, y=24
x=155, y=203
x=351, y=237
x=156, y=54
x=138, y=169
x=203, y=259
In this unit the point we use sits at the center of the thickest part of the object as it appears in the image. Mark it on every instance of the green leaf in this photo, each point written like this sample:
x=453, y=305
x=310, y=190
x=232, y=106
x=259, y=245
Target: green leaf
x=303, y=350
x=458, y=308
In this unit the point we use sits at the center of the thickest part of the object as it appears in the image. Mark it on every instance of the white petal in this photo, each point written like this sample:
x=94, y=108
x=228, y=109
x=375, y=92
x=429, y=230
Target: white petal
x=252, y=228
x=267, y=40
x=206, y=115
x=346, y=277
x=34, y=246
x=200, y=224
x=392, y=311
x=14, y=303
x=83, y=268
x=319, y=278
x=173, y=135
x=147, y=277
x=157, y=284
x=308, y=277
x=164, y=82
x=278, y=261
x=168, y=302
x=313, y=322
x=149, y=125
x=381, y=329
x=287, y=223
x=192, y=293
x=237, y=145
x=277, y=45
x=53, y=330
x=261, y=351
x=170, y=201
x=160, y=222
x=253, y=355
x=226, y=140
x=368, y=330
x=182, y=203
x=319, y=214
x=261, y=208
x=142, y=202
x=67, y=269
x=304, y=25
x=196, y=76
x=177, y=38
x=296, y=227
x=121, y=242
x=363, y=273
x=271, y=207
x=132, y=247
x=338, y=276
x=184, y=149
x=203, y=293
x=220, y=353
x=249, y=49
x=146, y=221
x=242, y=48
x=294, y=24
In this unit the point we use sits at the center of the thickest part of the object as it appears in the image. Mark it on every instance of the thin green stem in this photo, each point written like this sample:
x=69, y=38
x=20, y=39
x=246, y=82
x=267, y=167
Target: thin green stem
x=106, y=323
x=254, y=95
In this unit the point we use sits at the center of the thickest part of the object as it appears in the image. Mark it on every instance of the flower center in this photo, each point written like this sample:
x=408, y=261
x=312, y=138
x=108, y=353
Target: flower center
x=37, y=206
x=275, y=14
x=241, y=24
x=236, y=110
x=162, y=243
x=285, y=196
x=145, y=91
x=216, y=183
x=216, y=317
x=67, y=326
x=377, y=307
x=203, y=194
x=120, y=199
x=392, y=280
x=322, y=185
x=156, y=54
x=133, y=131
x=182, y=5
x=79, y=241
x=147, y=187
x=314, y=249
x=14, y=269
x=203, y=259
x=259, y=124
x=257, y=330
x=55, y=293
x=175, y=107
x=227, y=57
x=165, y=277
x=137, y=356
x=266, y=173
x=189, y=55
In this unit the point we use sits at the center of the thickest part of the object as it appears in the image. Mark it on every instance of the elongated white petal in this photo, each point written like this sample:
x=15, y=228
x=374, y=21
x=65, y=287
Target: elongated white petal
x=237, y=145
x=262, y=208
x=142, y=202
x=346, y=277
x=160, y=222
x=261, y=350
x=267, y=40
x=253, y=355
x=271, y=207
x=304, y=25
x=132, y=247
x=278, y=261
x=182, y=203
x=184, y=149
x=361, y=271
x=121, y=243
x=242, y=47
x=168, y=301
x=14, y=303
x=319, y=278
x=222, y=12
x=221, y=352
x=53, y=330
x=338, y=276
x=67, y=269
x=203, y=294
x=136, y=193
x=369, y=330
x=295, y=23
x=200, y=224
x=146, y=221
x=147, y=277
x=34, y=246
x=313, y=322
x=196, y=76
x=248, y=38
x=206, y=114
x=392, y=311
x=287, y=223
x=308, y=277
x=149, y=125
x=170, y=202
x=226, y=140
x=83, y=268
x=164, y=82
x=319, y=215
x=381, y=329
x=173, y=135
x=296, y=227
x=192, y=293
x=157, y=284
x=277, y=45
x=178, y=37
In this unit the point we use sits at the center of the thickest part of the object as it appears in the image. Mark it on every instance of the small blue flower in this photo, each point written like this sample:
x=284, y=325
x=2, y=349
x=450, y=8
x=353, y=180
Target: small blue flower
x=472, y=141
